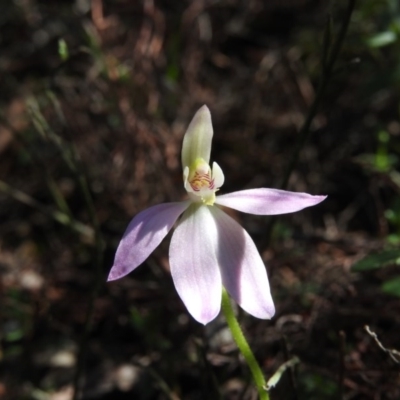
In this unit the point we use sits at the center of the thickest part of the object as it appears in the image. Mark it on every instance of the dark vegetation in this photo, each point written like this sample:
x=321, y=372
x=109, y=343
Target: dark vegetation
x=95, y=98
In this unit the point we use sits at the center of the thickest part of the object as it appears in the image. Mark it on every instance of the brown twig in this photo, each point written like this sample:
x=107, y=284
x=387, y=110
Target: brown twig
x=392, y=353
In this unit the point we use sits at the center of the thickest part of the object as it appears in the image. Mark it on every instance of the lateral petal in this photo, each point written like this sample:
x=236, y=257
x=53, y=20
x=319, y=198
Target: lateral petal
x=265, y=201
x=194, y=264
x=243, y=272
x=217, y=175
x=197, y=139
x=144, y=233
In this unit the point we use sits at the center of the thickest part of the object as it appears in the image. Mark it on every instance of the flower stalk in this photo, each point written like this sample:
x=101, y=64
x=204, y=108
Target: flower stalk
x=243, y=345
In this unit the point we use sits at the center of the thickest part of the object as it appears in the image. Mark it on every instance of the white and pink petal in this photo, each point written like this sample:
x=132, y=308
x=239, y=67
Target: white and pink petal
x=243, y=272
x=144, y=233
x=194, y=264
x=265, y=201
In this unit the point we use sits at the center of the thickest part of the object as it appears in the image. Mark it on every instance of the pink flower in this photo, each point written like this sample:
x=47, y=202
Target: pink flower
x=208, y=248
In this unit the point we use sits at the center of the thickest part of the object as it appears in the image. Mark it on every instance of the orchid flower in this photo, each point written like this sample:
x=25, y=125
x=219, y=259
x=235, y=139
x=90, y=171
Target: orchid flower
x=208, y=249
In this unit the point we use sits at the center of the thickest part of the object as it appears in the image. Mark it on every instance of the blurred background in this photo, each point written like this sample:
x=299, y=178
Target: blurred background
x=94, y=102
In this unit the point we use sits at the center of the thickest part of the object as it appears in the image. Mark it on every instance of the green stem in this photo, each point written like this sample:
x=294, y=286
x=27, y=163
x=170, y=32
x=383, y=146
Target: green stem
x=243, y=346
x=56, y=215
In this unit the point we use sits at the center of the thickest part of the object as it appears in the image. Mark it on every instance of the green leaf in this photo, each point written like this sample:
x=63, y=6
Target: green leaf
x=14, y=335
x=375, y=261
x=382, y=39
x=392, y=286
x=63, y=50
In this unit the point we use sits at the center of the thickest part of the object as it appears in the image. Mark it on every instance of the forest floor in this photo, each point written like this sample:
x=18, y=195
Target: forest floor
x=95, y=99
